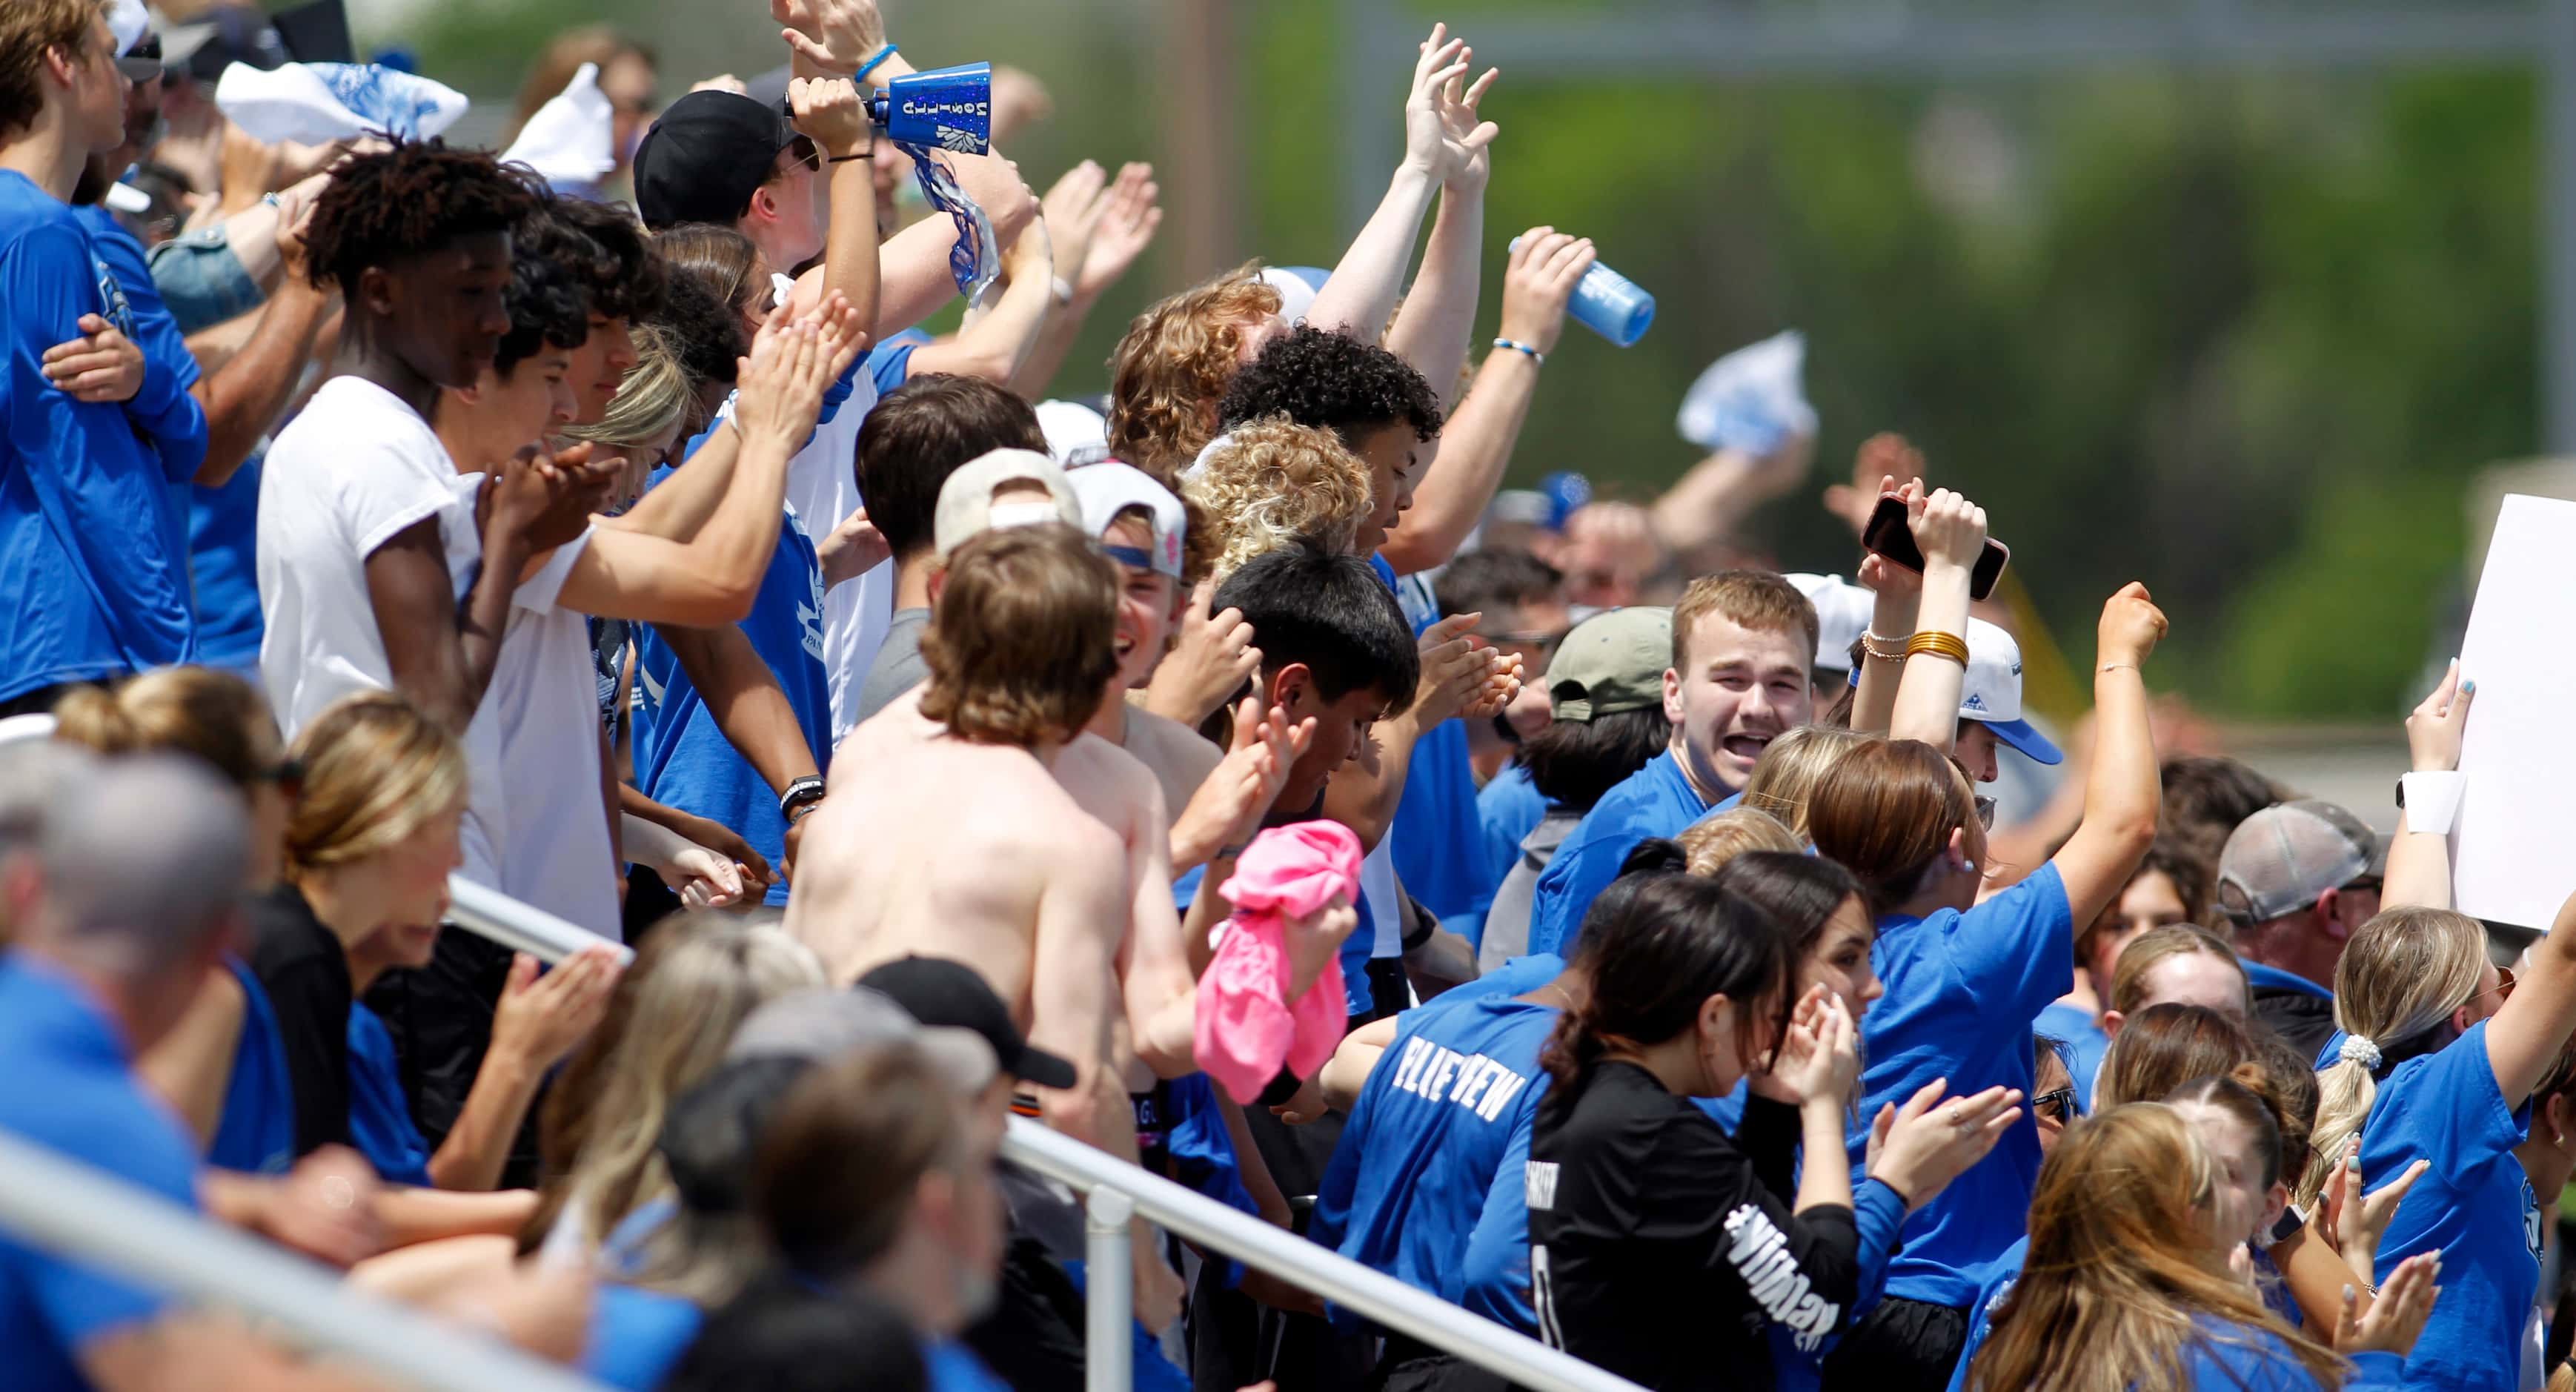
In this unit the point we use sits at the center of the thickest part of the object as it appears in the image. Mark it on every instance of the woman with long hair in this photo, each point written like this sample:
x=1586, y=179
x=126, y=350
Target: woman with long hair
x=1789, y=770
x=2437, y=1060
x=224, y=1067
x=1965, y=979
x=1646, y=1218
x=2133, y=1282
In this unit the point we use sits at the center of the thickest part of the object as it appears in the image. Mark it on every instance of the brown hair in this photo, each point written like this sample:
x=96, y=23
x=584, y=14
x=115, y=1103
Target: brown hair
x=2120, y=1277
x=1760, y=600
x=2166, y=1046
x=2129, y=978
x=1173, y=366
x=1885, y=811
x=592, y=43
x=2167, y=856
x=837, y=1171
x=190, y=710
x=1022, y=643
x=1274, y=482
x=376, y=771
x=722, y=259
x=923, y=431
x=29, y=29
x=1789, y=770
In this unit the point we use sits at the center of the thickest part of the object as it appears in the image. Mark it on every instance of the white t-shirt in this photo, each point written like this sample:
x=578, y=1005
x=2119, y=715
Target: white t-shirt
x=823, y=487
x=353, y=470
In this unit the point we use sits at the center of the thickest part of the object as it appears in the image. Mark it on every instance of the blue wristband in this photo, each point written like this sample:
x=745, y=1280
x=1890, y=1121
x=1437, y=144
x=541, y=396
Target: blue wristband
x=1519, y=347
x=872, y=64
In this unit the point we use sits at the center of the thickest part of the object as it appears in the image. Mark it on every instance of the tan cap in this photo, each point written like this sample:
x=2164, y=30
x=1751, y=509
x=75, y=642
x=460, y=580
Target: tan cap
x=966, y=508
x=1610, y=663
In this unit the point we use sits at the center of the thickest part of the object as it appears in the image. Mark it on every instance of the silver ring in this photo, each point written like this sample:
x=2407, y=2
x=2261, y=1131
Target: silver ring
x=337, y=1192
x=1956, y=1117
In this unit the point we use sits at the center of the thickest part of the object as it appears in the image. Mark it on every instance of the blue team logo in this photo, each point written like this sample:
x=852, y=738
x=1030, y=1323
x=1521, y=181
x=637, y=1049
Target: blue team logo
x=112, y=303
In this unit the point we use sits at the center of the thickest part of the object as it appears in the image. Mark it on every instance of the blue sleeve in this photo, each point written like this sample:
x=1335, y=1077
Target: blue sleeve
x=1496, y=1281
x=1880, y=1216
x=840, y=390
x=2376, y=1372
x=2015, y=953
x=889, y=363
x=82, y=1304
x=1584, y=866
x=163, y=408
x=2245, y=1360
x=2454, y=1113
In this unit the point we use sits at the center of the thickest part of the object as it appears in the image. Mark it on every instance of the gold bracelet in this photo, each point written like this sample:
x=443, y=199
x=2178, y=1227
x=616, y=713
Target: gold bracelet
x=1881, y=649
x=1939, y=644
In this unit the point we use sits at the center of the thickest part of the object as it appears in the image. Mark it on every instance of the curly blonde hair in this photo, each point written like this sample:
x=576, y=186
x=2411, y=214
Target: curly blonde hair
x=1273, y=483
x=1172, y=368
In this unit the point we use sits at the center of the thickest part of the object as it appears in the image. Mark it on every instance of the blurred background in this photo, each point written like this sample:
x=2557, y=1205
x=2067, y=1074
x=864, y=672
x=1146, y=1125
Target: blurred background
x=2239, y=297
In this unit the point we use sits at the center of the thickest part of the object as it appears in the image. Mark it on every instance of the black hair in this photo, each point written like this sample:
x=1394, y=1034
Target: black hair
x=545, y=297
x=623, y=275
x=703, y=326
x=780, y=1335
x=1573, y=762
x=923, y=431
x=1331, y=381
x=1800, y=892
x=714, y=1129
x=1657, y=945
x=1331, y=613
x=1489, y=580
x=406, y=202
x=2207, y=796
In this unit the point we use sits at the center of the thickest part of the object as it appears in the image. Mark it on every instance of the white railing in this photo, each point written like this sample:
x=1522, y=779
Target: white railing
x=84, y=1215
x=1116, y=1188
x=522, y=927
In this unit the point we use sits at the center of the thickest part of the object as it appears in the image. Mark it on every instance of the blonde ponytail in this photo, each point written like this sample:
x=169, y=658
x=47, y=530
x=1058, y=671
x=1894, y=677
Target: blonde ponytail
x=2401, y=977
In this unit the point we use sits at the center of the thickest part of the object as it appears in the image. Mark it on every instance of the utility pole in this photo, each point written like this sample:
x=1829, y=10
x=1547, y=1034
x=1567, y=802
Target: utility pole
x=1202, y=162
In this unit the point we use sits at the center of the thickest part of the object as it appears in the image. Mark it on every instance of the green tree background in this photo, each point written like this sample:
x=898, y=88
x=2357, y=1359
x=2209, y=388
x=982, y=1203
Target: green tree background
x=2244, y=336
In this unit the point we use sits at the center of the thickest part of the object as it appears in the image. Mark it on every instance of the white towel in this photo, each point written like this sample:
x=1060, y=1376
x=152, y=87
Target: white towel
x=1750, y=399
x=569, y=141
x=317, y=103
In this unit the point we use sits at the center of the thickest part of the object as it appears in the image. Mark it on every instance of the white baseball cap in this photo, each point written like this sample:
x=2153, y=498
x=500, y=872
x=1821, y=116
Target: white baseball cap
x=1072, y=429
x=966, y=507
x=1110, y=488
x=1842, y=615
x=1991, y=694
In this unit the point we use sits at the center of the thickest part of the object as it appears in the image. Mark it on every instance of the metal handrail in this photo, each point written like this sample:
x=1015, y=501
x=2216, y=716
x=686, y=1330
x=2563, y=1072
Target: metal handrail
x=1390, y=1302
x=88, y=1216
x=522, y=927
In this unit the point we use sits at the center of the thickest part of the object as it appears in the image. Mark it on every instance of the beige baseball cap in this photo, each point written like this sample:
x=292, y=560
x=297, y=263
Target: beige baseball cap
x=967, y=510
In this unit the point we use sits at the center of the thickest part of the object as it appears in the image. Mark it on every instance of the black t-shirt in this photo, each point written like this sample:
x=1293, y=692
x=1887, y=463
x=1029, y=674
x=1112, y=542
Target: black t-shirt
x=305, y=971
x=1658, y=1252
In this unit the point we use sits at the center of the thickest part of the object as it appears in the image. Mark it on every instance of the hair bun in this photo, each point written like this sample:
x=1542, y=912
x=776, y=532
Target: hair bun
x=1656, y=855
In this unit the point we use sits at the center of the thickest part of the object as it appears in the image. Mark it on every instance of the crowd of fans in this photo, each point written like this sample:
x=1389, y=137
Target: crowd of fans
x=1548, y=906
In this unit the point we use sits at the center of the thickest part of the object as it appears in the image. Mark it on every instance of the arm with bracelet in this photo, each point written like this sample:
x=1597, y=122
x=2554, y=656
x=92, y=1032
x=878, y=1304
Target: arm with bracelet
x=1898, y=597
x=1952, y=533
x=2428, y=797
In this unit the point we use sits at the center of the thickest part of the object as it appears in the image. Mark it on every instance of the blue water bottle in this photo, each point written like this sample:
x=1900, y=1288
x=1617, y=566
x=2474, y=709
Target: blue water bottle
x=1609, y=304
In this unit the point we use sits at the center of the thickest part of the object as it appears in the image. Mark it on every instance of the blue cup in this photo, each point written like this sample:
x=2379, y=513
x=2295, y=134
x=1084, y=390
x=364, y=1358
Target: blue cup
x=1609, y=304
x=946, y=108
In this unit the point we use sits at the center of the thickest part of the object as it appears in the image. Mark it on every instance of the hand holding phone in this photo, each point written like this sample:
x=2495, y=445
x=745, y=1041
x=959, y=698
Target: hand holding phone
x=1950, y=520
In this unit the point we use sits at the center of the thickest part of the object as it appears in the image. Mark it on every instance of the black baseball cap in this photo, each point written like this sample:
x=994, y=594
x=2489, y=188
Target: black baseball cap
x=705, y=157
x=939, y=992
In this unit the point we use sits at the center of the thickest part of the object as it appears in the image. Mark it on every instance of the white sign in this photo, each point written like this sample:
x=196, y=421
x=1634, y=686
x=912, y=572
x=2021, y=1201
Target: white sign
x=2510, y=844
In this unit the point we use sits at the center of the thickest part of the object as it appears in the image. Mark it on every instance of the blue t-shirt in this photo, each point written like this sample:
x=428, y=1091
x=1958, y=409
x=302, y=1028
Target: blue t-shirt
x=380, y=1123
x=89, y=537
x=1656, y=800
x=1354, y=954
x=1508, y=808
x=257, y=1132
x=682, y=758
x=2263, y=976
x=72, y=1090
x=177, y=433
x=223, y=536
x=890, y=362
x=1962, y=989
x=1424, y=1145
x=636, y=1336
x=2474, y=1206
x=955, y=1368
x=1439, y=844
x=2085, y=1045
x=1996, y=1287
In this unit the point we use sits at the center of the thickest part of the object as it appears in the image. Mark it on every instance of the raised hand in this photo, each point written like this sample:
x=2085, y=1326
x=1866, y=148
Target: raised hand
x=1126, y=228
x=100, y=366
x=1073, y=208
x=829, y=112
x=1881, y=456
x=548, y=498
x=2397, y=1316
x=540, y=1018
x=1927, y=1147
x=1950, y=530
x=853, y=549
x=1213, y=658
x=1230, y=803
x=2356, y=1221
x=778, y=391
x=1427, y=143
x=1455, y=670
x=1503, y=678
x=1539, y=280
x=835, y=36
x=1819, y=1057
x=1466, y=138
x=2131, y=627
x=997, y=188
x=2434, y=731
x=1878, y=573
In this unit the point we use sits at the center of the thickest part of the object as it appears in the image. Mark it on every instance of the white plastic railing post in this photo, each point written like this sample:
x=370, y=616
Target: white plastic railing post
x=521, y=927
x=1108, y=1292
x=1371, y=1294
x=68, y=1208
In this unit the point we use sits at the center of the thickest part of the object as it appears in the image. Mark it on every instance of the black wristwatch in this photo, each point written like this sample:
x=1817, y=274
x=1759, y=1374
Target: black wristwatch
x=2401, y=794
x=801, y=794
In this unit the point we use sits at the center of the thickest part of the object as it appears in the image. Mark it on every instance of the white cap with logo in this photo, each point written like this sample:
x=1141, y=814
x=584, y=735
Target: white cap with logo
x=966, y=507
x=1991, y=693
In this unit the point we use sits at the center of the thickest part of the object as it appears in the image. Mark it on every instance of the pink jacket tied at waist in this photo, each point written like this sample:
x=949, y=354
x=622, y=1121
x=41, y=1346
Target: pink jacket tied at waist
x=1247, y=1027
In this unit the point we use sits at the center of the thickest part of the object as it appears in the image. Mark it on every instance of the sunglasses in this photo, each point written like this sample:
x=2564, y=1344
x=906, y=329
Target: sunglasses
x=801, y=151
x=1985, y=812
x=2056, y=1106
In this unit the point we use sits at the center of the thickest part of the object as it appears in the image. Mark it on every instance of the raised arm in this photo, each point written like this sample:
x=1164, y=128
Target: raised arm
x=830, y=113
x=1476, y=445
x=1363, y=288
x=1125, y=218
x=2419, y=859
x=1455, y=675
x=1951, y=533
x=244, y=396
x=996, y=342
x=1897, y=595
x=2528, y=1032
x=1431, y=330
x=2123, y=792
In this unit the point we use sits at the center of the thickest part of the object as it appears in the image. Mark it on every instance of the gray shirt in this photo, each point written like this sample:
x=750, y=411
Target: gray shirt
x=1507, y=922
x=898, y=667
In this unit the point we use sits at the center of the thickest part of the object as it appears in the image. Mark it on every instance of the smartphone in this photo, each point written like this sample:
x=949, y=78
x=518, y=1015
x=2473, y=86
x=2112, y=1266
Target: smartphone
x=1889, y=536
